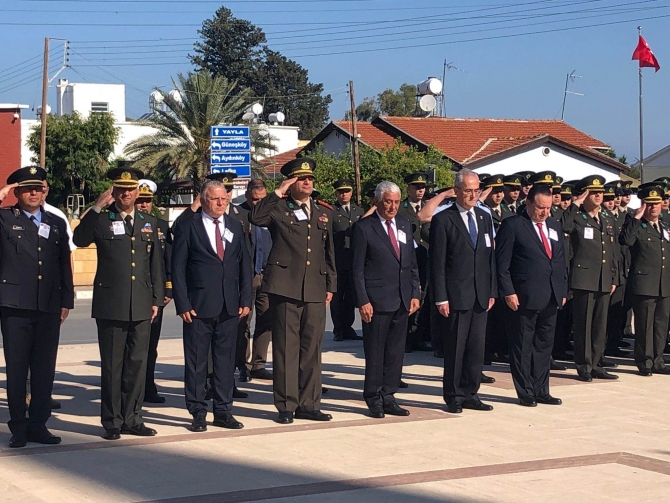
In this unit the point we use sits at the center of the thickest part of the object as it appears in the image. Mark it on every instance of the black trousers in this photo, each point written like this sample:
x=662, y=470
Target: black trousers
x=150, y=389
x=531, y=341
x=616, y=318
x=124, y=347
x=343, y=305
x=589, y=315
x=297, y=334
x=384, y=347
x=30, y=342
x=496, y=329
x=219, y=334
x=252, y=352
x=651, y=330
x=418, y=326
x=564, y=323
x=464, y=341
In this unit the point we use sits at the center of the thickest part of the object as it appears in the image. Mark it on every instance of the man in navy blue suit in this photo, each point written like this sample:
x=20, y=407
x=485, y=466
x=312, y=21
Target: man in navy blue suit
x=532, y=279
x=212, y=284
x=386, y=283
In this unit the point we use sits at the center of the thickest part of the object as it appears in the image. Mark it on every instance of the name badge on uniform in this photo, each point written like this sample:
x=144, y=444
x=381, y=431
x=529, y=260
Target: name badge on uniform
x=588, y=232
x=487, y=238
x=666, y=234
x=300, y=215
x=553, y=234
x=44, y=230
x=402, y=237
x=118, y=228
x=228, y=236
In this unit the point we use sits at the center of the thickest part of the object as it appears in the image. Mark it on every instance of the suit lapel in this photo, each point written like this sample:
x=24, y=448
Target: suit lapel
x=379, y=229
x=455, y=216
x=202, y=233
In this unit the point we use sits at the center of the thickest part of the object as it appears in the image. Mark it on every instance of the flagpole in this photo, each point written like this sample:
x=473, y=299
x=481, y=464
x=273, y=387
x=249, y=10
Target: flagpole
x=639, y=32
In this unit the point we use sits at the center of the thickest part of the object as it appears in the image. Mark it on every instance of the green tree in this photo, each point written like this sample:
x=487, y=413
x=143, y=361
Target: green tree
x=77, y=154
x=180, y=145
x=401, y=103
x=236, y=49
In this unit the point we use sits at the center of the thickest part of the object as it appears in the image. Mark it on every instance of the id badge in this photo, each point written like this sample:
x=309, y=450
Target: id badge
x=588, y=232
x=118, y=228
x=402, y=237
x=487, y=238
x=553, y=234
x=44, y=230
x=300, y=215
x=228, y=236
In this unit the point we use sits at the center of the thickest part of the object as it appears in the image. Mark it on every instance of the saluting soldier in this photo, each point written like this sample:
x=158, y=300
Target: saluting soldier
x=343, y=307
x=526, y=184
x=300, y=279
x=127, y=293
x=649, y=279
x=36, y=294
x=628, y=191
x=592, y=275
x=495, y=198
x=145, y=204
x=512, y=187
x=556, y=189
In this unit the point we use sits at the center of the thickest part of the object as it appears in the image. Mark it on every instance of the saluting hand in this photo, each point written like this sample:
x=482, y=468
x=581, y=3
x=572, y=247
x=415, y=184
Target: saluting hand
x=243, y=311
x=4, y=192
x=640, y=211
x=281, y=190
x=188, y=316
x=580, y=200
x=366, y=312
x=105, y=199
x=512, y=302
x=485, y=193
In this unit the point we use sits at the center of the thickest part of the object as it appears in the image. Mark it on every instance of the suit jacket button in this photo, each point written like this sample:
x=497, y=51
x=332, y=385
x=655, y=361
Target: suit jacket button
x=39, y=262
x=309, y=226
x=604, y=261
x=133, y=278
x=309, y=250
x=39, y=248
x=132, y=251
x=132, y=238
x=133, y=264
x=308, y=263
x=39, y=277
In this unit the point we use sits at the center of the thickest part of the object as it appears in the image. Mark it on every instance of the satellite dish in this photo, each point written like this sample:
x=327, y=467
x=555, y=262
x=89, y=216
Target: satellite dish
x=255, y=109
x=277, y=117
x=249, y=116
x=427, y=103
x=39, y=110
x=176, y=95
x=432, y=86
x=156, y=97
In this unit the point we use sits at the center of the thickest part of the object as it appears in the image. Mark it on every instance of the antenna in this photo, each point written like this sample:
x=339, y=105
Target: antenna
x=570, y=77
x=442, y=104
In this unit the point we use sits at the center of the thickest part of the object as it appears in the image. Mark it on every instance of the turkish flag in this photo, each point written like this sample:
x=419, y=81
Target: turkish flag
x=644, y=55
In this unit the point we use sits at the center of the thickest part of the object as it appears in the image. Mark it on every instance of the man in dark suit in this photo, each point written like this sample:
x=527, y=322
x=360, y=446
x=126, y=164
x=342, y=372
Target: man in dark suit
x=532, y=278
x=145, y=204
x=649, y=279
x=212, y=291
x=300, y=280
x=128, y=289
x=345, y=214
x=36, y=295
x=462, y=264
x=386, y=283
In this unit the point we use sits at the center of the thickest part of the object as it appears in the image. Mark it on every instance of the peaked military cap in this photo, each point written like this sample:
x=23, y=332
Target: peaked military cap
x=663, y=181
x=566, y=189
x=227, y=178
x=147, y=188
x=558, y=181
x=125, y=177
x=302, y=166
x=30, y=176
x=650, y=193
x=344, y=184
x=525, y=177
x=512, y=180
x=593, y=183
x=611, y=189
x=482, y=176
x=493, y=181
x=418, y=178
x=543, y=177
x=430, y=190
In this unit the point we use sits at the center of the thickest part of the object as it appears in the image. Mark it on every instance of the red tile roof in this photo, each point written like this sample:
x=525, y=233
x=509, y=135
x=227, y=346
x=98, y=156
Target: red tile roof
x=275, y=162
x=464, y=140
x=370, y=135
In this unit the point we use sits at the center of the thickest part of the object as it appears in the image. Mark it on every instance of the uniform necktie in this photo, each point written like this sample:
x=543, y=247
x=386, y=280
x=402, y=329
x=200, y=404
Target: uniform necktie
x=655, y=226
x=497, y=212
x=346, y=208
x=304, y=208
x=472, y=229
x=394, y=241
x=32, y=217
x=219, y=240
x=129, y=224
x=547, y=248
x=258, y=249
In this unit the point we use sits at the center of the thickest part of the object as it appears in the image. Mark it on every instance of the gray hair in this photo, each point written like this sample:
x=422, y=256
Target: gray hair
x=207, y=185
x=385, y=187
x=462, y=175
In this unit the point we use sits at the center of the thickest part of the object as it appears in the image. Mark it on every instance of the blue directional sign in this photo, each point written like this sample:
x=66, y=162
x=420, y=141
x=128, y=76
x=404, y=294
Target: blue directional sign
x=230, y=158
x=230, y=145
x=229, y=132
x=240, y=170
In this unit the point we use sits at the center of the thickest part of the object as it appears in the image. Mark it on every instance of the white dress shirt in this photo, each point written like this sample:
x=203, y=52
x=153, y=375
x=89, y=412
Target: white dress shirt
x=464, y=215
x=210, y=228
x=393, y=225
x=545, y=231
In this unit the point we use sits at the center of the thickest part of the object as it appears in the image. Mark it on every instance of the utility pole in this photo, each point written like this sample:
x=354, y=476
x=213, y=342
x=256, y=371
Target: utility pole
x=43, y=115
x=354, y=132
x=639, y=74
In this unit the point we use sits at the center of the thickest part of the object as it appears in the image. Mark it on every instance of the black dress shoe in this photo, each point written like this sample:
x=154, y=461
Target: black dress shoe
x=112, y=434
x=402, y=384
x=476, y=405
x=141, y=430
x=55, y=404
x=42, y=436
x=583, y=376
x=244, y=375
x=423, y=346
x=554, y=365
x=662, y=370
x=616, y=352
x=645, y=372
x=393, y=409
x=487, y=379
x=625, y=344
x=377, y=412
x=608, y=363
x=548, y=400
x=603, y=375
x=351, y=335
x=199, y=424
x=528, y=401
x=454, y=408
x=237, y=394
x=337, y=336
x=262, y=374
x=227, y=421
x=324, y=390
x=285, y=417
x=154, y=399
x=312, y=415
x=18, y=440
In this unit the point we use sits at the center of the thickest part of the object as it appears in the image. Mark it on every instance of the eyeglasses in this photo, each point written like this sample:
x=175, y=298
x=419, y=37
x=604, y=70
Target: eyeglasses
x=302, y=178
x=469, y=192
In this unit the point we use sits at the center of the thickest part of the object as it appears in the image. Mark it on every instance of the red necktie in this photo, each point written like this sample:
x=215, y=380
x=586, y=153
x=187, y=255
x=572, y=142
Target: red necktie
x=394, y=242
x=219, y=240
x=547, y=248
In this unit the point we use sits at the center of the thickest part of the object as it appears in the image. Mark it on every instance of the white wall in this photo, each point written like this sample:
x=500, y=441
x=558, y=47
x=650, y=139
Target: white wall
x=77, y=97
x=26, y=128
x=284, y=138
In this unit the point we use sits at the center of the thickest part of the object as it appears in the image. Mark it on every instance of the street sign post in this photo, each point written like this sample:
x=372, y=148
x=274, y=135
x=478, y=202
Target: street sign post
x=230, y=150
x=242, y=170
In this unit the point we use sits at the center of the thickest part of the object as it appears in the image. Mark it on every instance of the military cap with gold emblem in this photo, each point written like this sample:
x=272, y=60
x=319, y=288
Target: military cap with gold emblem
x=611, y=190
x=663, y=181
x=302, y=166
x=418, y=178
x=493, y=181
x=30, y=176
x=227, y=178
x=147, y=188
x=546, y=177
x=125, y=177
x=525, y=177
x=344, y=184
x=556, y=187
x=593, y=183
x=566, y=191
x=430, y=190
x=650, y=193
x=512, y=180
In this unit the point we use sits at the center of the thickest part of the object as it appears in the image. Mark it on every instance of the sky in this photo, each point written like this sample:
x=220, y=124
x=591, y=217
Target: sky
x=512, y=56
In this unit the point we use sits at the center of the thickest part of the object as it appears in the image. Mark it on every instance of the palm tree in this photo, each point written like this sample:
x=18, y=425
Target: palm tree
x=180, y=146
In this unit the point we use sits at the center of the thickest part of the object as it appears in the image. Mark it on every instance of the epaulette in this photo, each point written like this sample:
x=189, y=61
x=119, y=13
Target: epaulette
x=235, y=210
x=325, y=204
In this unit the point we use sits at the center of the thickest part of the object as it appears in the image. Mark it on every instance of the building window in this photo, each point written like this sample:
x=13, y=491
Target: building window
x=97, y=107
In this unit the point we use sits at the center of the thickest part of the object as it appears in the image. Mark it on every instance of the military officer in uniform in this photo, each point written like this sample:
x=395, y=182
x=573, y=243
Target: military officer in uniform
x=145, y=203
x=543, y=177
x=649, y=280
x=556, y=189
x=36, y=295
x=628, y=191
x=345, y=214
x=526, y=184
x=495, y=198
x=127, y=294
x=592, y=276
x=512, y=186
x=300, y=279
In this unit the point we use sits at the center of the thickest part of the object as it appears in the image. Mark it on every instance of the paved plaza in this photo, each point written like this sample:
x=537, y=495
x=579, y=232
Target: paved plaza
x=609, y=441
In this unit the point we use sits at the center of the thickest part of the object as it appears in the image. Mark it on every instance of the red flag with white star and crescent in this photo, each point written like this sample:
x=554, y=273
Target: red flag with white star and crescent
x=645, y=56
